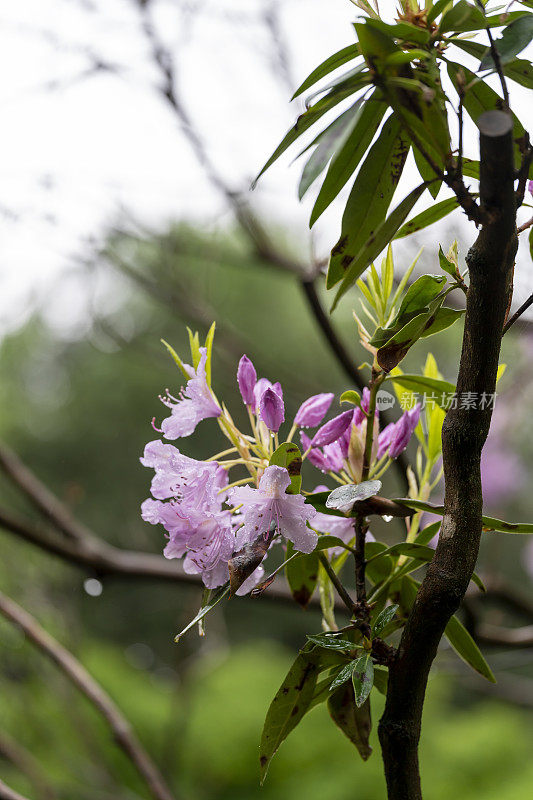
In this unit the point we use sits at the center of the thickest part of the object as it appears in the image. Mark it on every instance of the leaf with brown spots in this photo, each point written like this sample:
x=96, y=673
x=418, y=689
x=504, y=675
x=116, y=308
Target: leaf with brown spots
x=288, y=706
x=370, y=196
x=354, y=722
x=302, y=575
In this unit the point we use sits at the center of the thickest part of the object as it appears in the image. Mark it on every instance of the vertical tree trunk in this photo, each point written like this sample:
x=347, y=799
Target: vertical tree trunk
x=490, y=261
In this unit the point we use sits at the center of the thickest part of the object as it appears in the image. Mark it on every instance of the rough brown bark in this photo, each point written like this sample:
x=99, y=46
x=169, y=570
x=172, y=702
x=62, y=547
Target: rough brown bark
x=490, y=262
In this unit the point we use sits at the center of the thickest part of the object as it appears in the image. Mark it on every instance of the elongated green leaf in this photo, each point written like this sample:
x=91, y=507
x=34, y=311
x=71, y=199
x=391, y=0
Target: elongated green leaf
x=331, y=63
x=381, y=679
x=417, y=300
x=411, y=549
x=383, y=619
x=479, y=98
x=355, y=723
x=302, y=576
x=489, y=523
x=383, y=234
x=344, y=674
x=331, y=642
x=438, y=7
x=327, y=143
x=346, y=160
x=390, y=354
x=427, y=217
x=304, y=122
x=462, y=16
x=499, y=525
x=377, y=568
x=444, y=318
x=216, y=598
x=363, y=678
x=514, y=39
x=427, y=533
x=288, y=707
x=518, y=69
x=467, y=649
x=403, y=31
x=420, y=384
x=177, y=359
x=354, y=79
x=369, y=198
x=318, y=501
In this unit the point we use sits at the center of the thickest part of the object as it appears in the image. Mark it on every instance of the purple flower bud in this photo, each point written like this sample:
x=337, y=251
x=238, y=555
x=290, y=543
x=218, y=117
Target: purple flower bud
x=530, y=187
x=315, y=456
x=312, y=411
x=333, y=429
x=403, y=430
x=272, y=410
x=260, y=388
x=277, y=388
x=384, y=440
x=334, y=456
x=246, y=378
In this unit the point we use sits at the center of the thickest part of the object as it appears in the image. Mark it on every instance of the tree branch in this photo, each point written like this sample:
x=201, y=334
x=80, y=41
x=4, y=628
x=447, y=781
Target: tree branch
x=9, y=794
x=78, y=675
x=26, y=764
x=490, y=262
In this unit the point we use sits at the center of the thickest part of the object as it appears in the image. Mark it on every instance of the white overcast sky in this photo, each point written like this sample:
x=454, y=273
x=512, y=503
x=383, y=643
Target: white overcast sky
x=79, y=151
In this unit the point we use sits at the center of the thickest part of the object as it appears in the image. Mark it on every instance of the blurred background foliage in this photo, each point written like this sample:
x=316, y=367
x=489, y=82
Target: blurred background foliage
x=76, y=403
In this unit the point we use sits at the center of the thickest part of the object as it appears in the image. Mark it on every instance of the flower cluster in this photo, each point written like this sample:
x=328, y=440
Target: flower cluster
x=207, y=518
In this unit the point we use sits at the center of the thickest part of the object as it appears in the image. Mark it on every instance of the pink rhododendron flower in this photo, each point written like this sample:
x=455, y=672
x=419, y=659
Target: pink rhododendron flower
x=196, y=402
x=260, y=388
x=269, y=504
x=403, y=430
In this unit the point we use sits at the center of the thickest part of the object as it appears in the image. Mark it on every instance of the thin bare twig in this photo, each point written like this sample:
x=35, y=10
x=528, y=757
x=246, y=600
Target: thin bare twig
x=6, y=793
x=26, y=764
x=523, y=308
x=496, y=58
x=78, y=675
x=41, y=497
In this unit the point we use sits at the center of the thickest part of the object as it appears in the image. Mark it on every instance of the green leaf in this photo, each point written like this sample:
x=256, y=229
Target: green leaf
x=444, y=318
x=377, y=569
x=378, y=241
x=304, y=122
x=479, y=98
x=383, y=619
x=177, y=359
x=437, y=9
x=346, y=160
x=427, y=217
x=411, y=549
x=343, y=498
x=445, y=264
x=363, y=678
x=345, y=674
x=466, y=648
x=493, y=524
x=462, y=16
x=518, y=69
x=514, y=39
x=355, y=79
x=416, y=301
x=427, y=533
x=390, y=354
x=381, y=679
x=489, y=523
x=421, y=384
x=369, y=198
x=288, y=455
x=330, y=642
x=326, y=144
x=351, y=396
x=331, y=63
x=404, y=31
x=209, y=348
x=355, y=723
x=302, y=575
x=288, y=707
x=216, y=598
